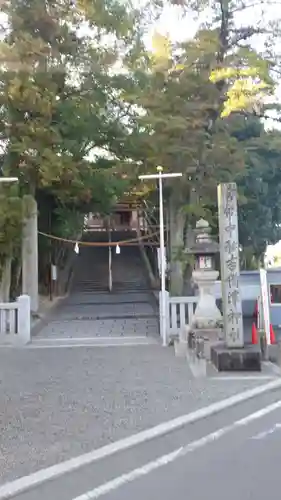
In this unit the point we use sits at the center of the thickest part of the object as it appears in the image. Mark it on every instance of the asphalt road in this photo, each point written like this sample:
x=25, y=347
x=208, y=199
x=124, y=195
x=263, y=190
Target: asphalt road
x=244, y=464
x=234, y=454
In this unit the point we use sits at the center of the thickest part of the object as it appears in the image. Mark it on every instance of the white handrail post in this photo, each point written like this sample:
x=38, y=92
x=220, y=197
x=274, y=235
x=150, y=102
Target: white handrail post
x=24, y=318
x=162, y=297
x=160, y=314
x=167, y=300
x=162, y=262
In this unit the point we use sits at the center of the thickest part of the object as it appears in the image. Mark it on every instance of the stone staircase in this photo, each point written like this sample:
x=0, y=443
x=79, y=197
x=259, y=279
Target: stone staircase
x=91, y=314
x=91, y=270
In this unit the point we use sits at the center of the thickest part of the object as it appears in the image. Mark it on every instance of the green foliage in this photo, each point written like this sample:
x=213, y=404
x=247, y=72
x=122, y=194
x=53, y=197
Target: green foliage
x=83, y=112
x=63, y=124
x=59, y=96
x=260, y=214
x=11, y=217
x=69, y=222
x=193, y=92
x=247, y=80
x=177, y=130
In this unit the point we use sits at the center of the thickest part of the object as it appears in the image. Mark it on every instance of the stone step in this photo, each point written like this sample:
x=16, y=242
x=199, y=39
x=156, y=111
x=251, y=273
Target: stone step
x=92, y=342
x=91, y=271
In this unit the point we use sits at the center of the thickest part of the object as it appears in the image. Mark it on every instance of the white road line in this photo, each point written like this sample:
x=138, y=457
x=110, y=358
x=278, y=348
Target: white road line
x=174, y=455
x=266, y=433
x=9, y=490
x=219, y=378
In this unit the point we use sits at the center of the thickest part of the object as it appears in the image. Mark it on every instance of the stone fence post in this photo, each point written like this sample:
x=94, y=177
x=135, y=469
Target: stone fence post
x=167, y=310
x=24, y=326
x=30, y=255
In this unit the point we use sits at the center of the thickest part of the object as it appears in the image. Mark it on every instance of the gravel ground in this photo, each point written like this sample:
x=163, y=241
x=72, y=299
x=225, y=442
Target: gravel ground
x=102, y=315
x=59, y=403
x=108, y=327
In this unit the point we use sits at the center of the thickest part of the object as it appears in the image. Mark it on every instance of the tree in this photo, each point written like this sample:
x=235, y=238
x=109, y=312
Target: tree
x=56, y=92
x=62, y=121
x=191, y=91
x=177, y=100
x=12, y=209
x=259, y=209
x=259, y=200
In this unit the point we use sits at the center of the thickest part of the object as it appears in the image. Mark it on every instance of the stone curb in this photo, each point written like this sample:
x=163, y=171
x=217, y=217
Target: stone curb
x=43, y=318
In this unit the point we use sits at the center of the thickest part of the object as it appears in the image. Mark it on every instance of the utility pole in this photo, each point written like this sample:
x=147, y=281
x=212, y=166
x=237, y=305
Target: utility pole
x=160, y=176
x=109, y=233
x=109, y=261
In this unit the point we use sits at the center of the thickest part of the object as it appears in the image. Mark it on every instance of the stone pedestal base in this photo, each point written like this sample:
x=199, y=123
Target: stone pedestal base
x=246, y=359
x=206, y=315
x=180, y=349
x=274, y=353
x=201, y=340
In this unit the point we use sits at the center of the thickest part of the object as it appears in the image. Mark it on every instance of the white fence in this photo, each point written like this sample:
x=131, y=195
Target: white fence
x=180, y=310
x=179, y=313
x=248, y=291
x=15, y=321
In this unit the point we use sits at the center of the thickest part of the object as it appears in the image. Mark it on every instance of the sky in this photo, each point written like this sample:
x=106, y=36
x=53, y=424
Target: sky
x=182, y=27
x=174, y=24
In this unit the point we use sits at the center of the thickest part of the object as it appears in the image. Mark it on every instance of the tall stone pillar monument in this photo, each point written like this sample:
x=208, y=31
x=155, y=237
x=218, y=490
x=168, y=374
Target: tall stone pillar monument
x=229, y=256
x=30, y=254
x=232, y=354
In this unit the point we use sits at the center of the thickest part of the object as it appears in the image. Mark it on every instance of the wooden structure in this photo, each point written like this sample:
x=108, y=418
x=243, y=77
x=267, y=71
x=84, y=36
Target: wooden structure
x=127, y=216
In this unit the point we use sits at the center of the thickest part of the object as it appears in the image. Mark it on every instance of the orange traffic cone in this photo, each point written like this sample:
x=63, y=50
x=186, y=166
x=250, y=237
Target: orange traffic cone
x=272, y=335
x=254, y=334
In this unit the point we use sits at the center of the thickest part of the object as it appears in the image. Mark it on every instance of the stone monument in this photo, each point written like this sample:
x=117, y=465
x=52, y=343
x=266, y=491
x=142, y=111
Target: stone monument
x=232, y=354
x=229, y=255
x=206, y=323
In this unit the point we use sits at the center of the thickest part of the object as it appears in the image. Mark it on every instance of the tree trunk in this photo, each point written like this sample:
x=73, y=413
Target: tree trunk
x=146, y=261
x=18, y=276
x=6, y=281
x=188, y=286
x=177, y=222
x=190, y=239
